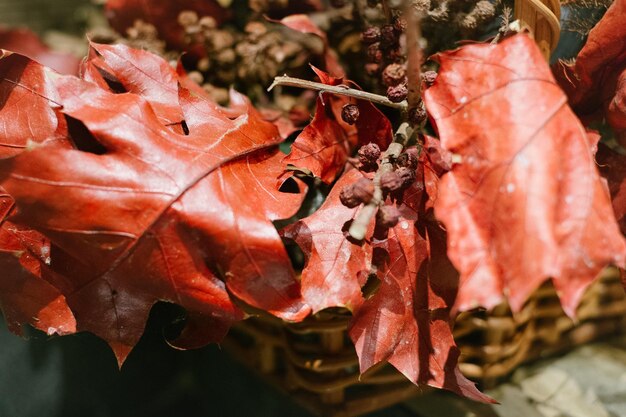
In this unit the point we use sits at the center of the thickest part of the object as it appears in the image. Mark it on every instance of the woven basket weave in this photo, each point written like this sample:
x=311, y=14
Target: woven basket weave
x=316, y=362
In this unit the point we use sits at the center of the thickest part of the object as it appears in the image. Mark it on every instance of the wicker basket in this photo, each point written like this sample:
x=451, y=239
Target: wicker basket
x=316, y=363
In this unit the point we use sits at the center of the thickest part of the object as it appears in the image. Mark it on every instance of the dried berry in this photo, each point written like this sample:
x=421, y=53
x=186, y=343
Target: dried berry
x=387, y=216
x=390, y=182
x=399, y=24
x=369, y=154
x=388, y=36
x=363, y=189
x=371, y=35
x=406, y=175
x=407, y=159
x=350, y=113
x=394, y=74
x=418, y=115
x=397, y=93
x=374, y=53
x=360, y=192
x=429, y=77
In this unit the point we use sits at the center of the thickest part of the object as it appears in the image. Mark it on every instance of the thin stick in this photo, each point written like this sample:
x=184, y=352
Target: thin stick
x=360, y=225
x=342, y=90
x=414, y=55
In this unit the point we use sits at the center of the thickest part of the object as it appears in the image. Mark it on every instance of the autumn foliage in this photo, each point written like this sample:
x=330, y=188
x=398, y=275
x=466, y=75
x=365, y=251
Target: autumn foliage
x=128, y=185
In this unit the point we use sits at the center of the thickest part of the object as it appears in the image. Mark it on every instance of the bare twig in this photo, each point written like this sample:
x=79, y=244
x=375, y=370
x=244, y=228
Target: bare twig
x=342, y=90
x=414, y=55
x=360, y=225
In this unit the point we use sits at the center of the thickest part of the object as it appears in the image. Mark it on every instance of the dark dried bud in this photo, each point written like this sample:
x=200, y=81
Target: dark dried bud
x=371, y=35
x=388, y=36
x=372, y=3
x=395, y=55
x=387, y=216
x=399, y=24
x=418, y=115
x=390, y=182
x=406, y=175
x=369, y=154
x=372, y=68
x=338, y=3
x=374, y=53
x=429, y=77
x=394, y=74
x=407, y=159
x=360, y=192
x=397, y=93
x=350, y=113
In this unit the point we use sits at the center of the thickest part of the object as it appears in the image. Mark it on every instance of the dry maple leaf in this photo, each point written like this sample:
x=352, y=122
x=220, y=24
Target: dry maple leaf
x=26, y=42
x=596, y=82
x=25, y=297
x=158, y=215
x=29, y=104
x=407, y=322
x=336, y=267
x=525, y=202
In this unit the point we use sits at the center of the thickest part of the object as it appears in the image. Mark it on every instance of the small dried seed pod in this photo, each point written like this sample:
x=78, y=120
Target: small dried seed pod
x=429, y=77
x=408, y=160
x=394, y=74
x=397, y=93
x=399, y=24
x=350, y=113
x=360, y=192
x=388, y=36
x=387, y=216
x=418, y=115
x=390, y=182
x=406, y=175
x=371, y=35
x=369, y=154
x=363, y=189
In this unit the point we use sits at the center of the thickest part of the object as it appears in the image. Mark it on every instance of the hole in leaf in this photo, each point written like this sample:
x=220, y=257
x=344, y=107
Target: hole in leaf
x=289, y=186
x=185, y=127
x=82, y=138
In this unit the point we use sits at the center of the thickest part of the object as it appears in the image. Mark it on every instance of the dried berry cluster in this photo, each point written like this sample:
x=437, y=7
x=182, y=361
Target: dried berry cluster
x=391, y=182
x=386, y=58
x=255, y=56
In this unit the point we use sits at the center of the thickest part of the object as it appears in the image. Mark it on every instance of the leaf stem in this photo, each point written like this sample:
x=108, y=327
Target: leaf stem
x=342, y=90
x=360, y=224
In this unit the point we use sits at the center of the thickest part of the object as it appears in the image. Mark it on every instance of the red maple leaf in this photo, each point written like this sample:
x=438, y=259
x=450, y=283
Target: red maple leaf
x=159, y=215
x=525, y=201
x=407, y=322
x=25, y=297
x=336, y=267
